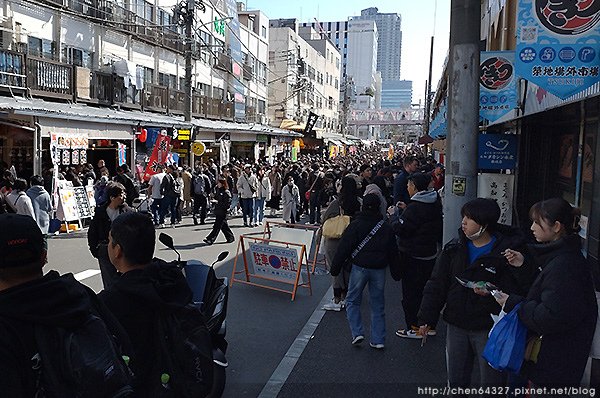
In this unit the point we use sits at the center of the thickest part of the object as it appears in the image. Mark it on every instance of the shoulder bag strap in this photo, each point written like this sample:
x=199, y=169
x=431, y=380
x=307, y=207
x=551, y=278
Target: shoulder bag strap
x=367, y=239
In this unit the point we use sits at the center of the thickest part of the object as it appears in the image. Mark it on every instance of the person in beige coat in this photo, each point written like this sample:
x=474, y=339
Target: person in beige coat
x=263, y=195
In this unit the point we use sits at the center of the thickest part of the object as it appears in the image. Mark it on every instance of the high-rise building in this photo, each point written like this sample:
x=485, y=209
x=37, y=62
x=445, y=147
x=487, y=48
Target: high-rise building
x=338, y=34
x=362, y=56
x=396, y=94
x=390, y=41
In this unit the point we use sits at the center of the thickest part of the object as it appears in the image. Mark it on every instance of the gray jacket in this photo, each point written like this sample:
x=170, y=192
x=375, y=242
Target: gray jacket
x=42, y=206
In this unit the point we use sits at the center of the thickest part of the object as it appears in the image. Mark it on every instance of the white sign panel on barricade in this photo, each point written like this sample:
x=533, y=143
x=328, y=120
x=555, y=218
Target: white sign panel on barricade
x=274, y=262
x=500, y=188
x=297, y=235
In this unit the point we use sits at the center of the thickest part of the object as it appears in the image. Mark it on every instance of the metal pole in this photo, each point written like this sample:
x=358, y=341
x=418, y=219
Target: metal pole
x=463, y=112
x=189, y=39
x=428, y=91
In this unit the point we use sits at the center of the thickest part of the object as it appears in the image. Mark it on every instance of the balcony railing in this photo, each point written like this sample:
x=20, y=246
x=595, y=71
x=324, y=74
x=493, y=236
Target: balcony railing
x=155, y=97
x=101, y=87
x=12, y=70
x=49, y=77
x=176, y=101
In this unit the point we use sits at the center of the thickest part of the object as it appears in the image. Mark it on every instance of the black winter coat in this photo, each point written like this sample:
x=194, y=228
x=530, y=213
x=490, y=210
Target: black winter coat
x=561, y=307
x=99, y=229
x=464, y=308
x=378, y=253
x=52, y=300
x=134, y=299
x=223, y=198
x=419, y=227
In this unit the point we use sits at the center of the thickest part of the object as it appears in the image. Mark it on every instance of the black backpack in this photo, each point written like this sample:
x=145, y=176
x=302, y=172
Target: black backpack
x=184, y=363
x=83, y=361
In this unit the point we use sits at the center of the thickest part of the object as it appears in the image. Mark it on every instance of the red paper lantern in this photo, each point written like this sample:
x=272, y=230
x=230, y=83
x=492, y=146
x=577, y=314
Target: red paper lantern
x=143, y=135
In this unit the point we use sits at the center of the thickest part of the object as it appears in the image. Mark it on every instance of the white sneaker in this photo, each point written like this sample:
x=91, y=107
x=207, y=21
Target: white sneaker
x=333, y=306
x=343, y=303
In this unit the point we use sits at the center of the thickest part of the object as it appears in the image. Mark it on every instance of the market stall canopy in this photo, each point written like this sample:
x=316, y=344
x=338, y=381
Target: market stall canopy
x=289, y=124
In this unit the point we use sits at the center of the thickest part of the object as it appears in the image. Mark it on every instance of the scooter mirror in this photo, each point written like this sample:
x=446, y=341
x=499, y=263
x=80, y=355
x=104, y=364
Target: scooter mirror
x=222, y=256
x=166, y=240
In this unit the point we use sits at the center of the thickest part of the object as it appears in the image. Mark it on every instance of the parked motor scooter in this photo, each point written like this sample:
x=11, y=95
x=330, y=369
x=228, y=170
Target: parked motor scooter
x=212, y=292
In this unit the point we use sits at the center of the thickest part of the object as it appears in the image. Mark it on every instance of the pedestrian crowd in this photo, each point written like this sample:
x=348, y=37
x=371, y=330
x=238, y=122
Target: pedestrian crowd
x=376, y=215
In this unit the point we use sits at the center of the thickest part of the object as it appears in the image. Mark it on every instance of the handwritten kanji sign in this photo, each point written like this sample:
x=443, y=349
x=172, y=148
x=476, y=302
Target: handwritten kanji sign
x=500, y=188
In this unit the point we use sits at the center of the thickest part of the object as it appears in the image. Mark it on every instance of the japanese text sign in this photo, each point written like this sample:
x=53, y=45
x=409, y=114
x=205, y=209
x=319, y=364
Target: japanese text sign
x=159, y=155
x=500, y=188
x=497, y=84
x=557, y=44
x=497, y=151
x=278, y=263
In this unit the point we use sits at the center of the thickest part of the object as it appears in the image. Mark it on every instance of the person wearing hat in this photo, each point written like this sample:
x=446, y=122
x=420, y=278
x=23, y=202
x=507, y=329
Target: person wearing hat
x=368, y=247
x=419, y=232
x=30, y=300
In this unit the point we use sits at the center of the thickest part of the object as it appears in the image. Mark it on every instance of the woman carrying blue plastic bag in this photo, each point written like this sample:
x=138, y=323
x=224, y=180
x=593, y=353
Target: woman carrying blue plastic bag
x=560, y=309
x=505, y=347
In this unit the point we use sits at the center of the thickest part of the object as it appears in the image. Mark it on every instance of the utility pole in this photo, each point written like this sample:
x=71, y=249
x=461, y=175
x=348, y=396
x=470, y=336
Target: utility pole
x=189, y=41
x=300, y=70
x=463, y=112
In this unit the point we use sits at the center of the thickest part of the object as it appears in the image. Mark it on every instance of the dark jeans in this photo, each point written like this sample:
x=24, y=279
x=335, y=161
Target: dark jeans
x=221, y=225
x=416, y=275
x=248, y=209
x=200, y=203
x=315, y=208
x=156, y=208
x=169, y=203
x=108, y=272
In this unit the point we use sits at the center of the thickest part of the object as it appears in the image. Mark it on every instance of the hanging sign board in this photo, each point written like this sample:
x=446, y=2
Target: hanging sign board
x=497, y=151
x=497, y=84
x=159, y=155
x=500, y=188
x=557, y=44
x=198, y=148
x=83, y=205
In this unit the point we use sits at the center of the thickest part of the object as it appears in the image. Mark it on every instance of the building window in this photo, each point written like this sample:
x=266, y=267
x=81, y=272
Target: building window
x=77, y=57
x=148, y=75
x=40, y=47
x=263, y=31
x=251, y=24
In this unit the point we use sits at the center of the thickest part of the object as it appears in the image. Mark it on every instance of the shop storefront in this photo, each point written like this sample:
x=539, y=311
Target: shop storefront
x=17, y=145
x=77, y=143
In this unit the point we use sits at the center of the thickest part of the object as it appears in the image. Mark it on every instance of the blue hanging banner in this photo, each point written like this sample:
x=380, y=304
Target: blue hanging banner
x=557, y=44
x=497, y=84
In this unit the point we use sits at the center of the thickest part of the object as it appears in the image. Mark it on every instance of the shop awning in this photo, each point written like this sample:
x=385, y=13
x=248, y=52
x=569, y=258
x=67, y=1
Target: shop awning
x=84, y=113
x=93, y=130
x=109, y=116
x=248, y=128
x=289, y=124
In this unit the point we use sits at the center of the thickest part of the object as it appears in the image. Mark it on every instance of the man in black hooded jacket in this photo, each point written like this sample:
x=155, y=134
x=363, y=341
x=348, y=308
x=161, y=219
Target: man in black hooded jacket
x=146, y=286
x=28, y=298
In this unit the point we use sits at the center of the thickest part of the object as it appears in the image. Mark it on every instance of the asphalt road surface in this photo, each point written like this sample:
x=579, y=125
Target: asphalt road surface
x=284, y=348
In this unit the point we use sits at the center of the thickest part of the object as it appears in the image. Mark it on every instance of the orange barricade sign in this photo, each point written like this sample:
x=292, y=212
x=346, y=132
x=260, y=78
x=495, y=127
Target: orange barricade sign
x=309, y=235
x=268, y=262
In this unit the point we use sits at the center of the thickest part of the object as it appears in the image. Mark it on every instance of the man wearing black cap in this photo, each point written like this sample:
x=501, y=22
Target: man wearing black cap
x=33, y=307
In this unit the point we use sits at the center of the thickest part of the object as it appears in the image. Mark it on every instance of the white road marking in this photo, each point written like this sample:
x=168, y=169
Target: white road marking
x=88, y=273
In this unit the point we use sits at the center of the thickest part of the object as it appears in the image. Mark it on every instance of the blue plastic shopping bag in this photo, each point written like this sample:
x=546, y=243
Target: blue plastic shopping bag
x=505, y=348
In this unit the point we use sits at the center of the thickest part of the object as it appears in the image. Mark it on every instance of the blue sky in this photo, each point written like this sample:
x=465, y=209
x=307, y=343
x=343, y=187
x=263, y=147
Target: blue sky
x=418, y=25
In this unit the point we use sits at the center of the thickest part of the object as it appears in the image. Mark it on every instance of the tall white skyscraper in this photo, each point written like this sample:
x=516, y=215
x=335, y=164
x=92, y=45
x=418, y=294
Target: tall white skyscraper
x=390, y=41
x=361, y=63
